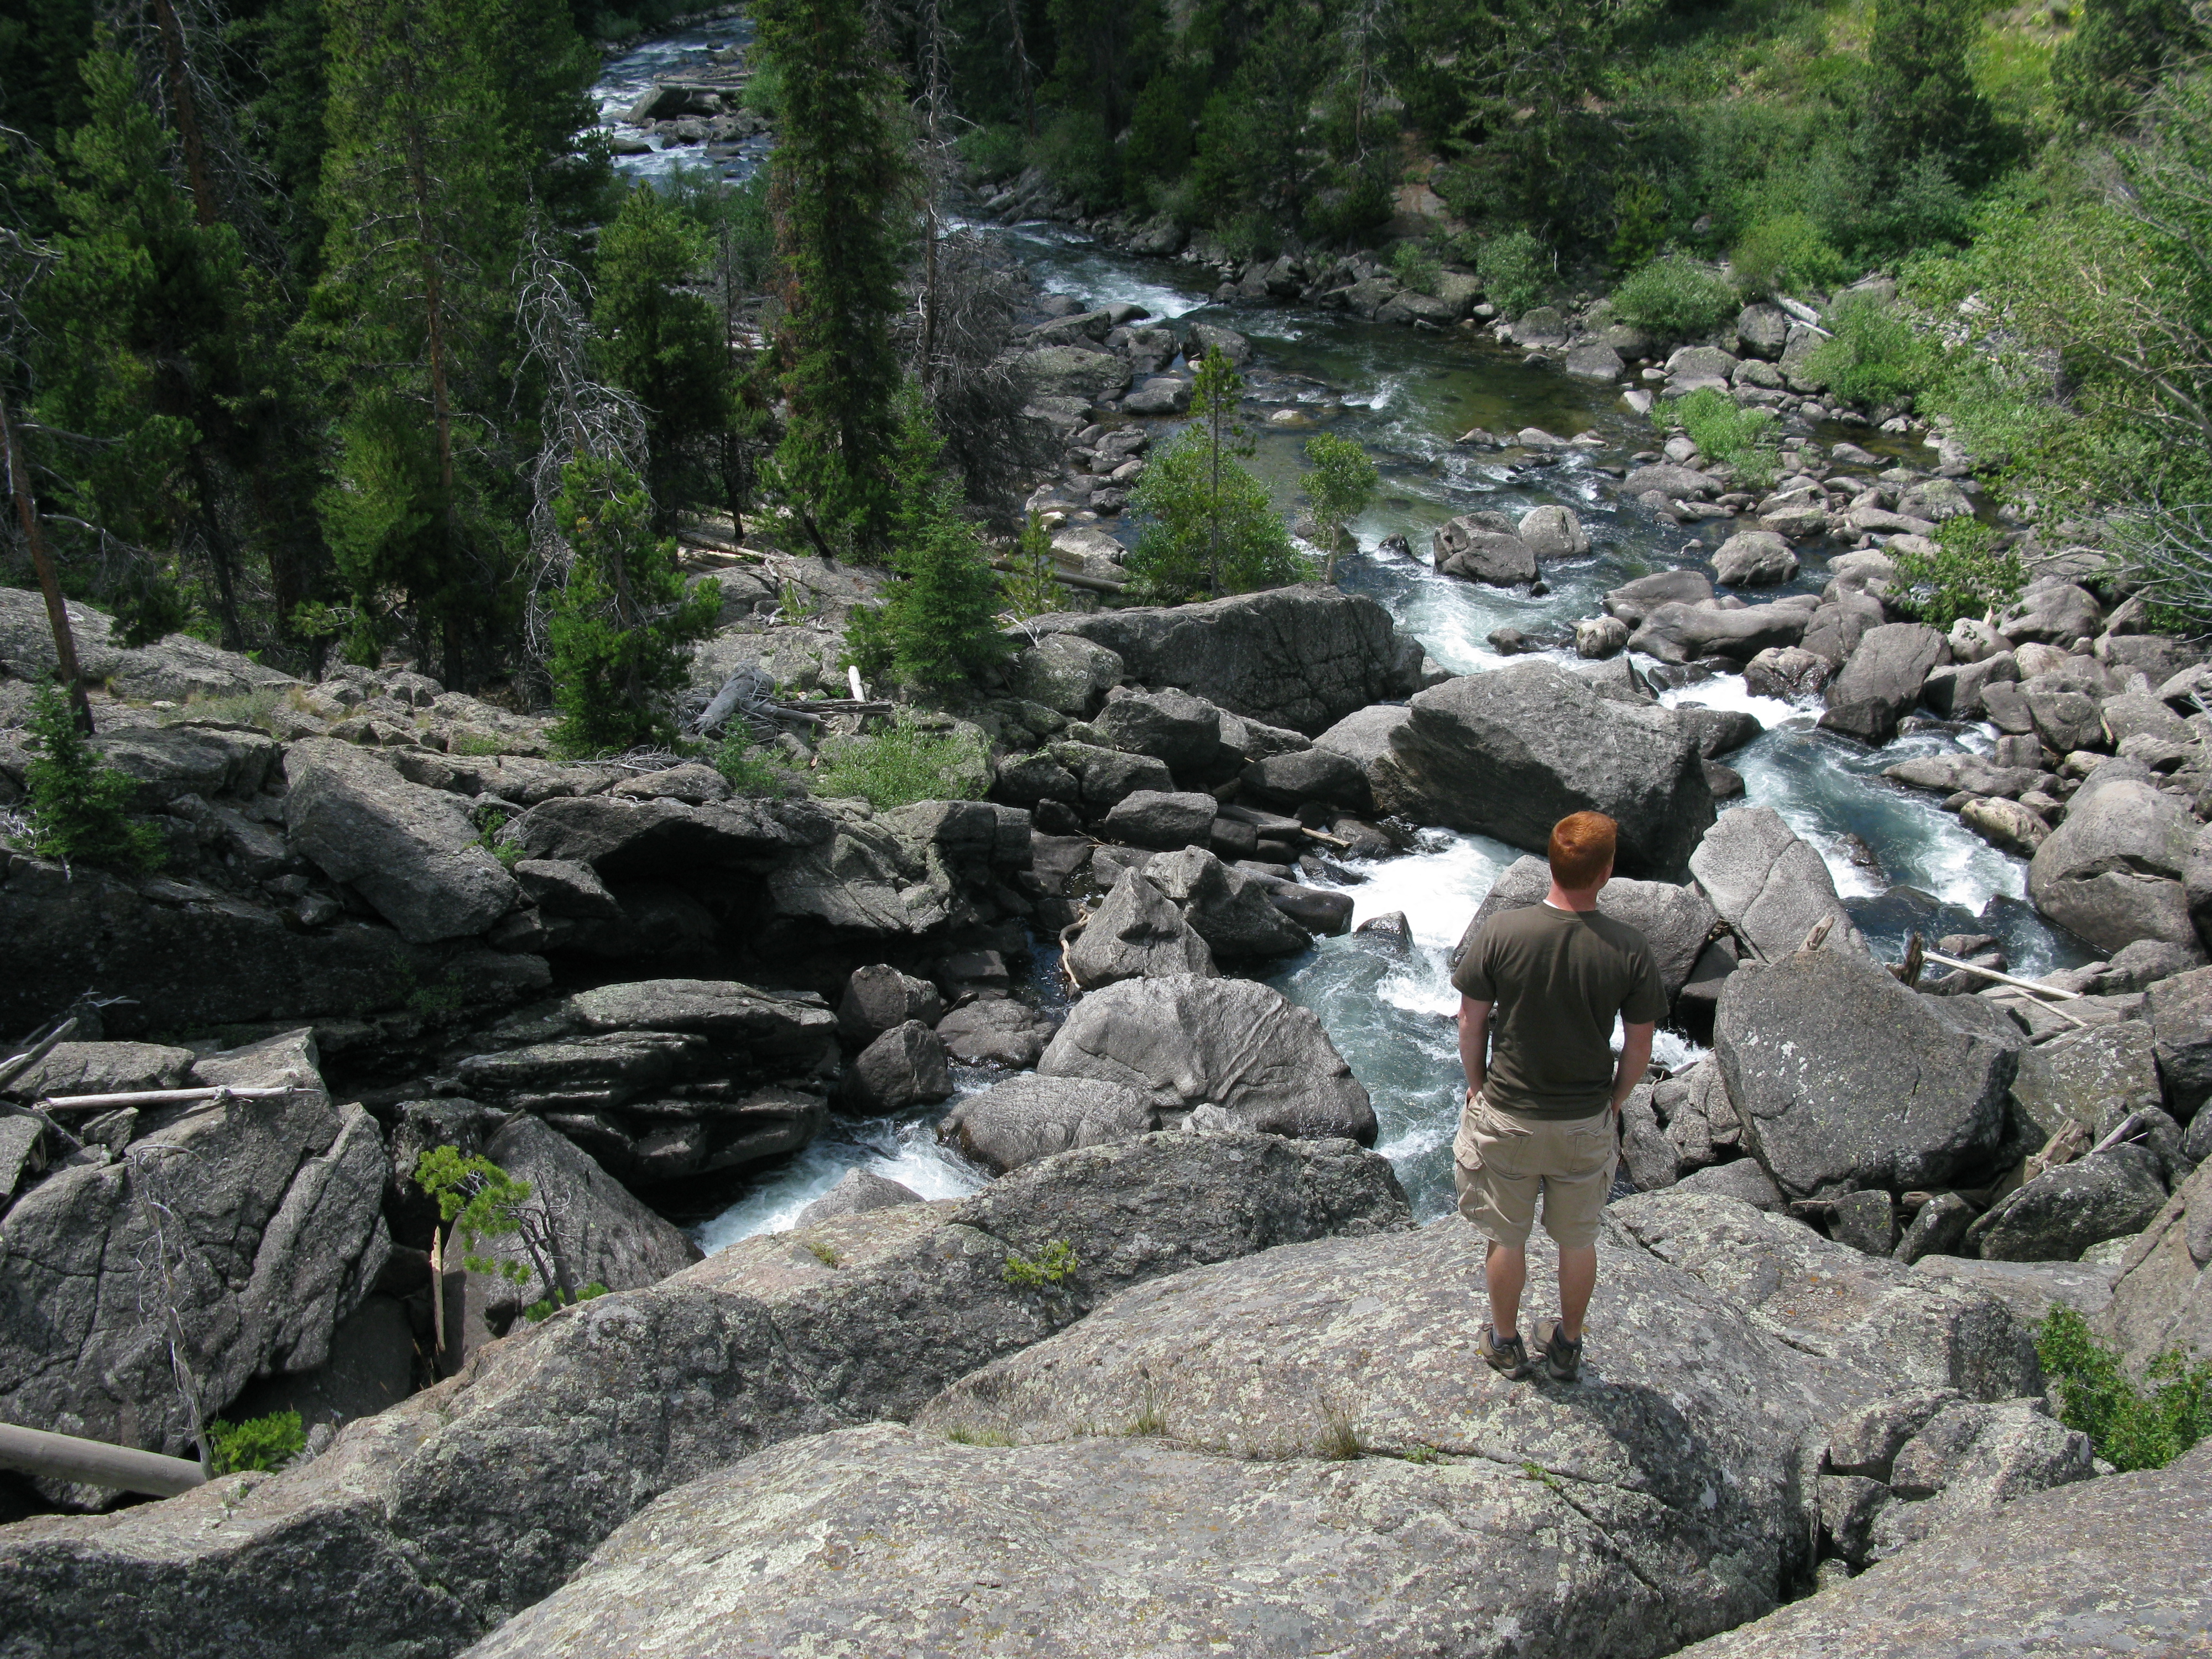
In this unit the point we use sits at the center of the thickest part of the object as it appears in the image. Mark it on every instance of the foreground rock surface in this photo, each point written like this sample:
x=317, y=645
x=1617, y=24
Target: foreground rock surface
x=403, y=1537
x=2120, y=1566
x=1185, y=1476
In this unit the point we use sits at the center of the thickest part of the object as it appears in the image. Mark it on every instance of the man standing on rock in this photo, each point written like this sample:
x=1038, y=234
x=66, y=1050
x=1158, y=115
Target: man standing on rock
x=1539, y=989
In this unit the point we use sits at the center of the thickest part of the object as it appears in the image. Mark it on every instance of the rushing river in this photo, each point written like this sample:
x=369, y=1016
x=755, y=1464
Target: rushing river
x=1900, y=861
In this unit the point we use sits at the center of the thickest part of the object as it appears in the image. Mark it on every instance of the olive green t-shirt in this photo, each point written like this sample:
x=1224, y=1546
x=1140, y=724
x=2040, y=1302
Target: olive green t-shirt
x=1554, y=980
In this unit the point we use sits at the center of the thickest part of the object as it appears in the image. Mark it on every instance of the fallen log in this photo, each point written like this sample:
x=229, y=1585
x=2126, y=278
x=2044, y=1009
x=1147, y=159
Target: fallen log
x=161, y=1098
x=96, y=1463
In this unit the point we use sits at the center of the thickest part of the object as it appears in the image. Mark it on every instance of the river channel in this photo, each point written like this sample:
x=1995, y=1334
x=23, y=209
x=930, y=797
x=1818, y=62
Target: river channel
x=1900, y=861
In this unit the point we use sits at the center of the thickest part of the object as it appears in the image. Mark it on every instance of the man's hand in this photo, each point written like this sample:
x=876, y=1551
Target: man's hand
x=1475, y=1042
x=1635, y=1062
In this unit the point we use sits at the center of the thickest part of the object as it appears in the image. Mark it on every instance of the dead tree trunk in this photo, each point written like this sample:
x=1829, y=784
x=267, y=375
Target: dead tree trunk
x=26, y=512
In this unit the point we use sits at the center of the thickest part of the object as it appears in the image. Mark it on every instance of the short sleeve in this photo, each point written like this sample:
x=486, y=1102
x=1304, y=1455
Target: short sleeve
x=1646, y=1002
x=1472, y=977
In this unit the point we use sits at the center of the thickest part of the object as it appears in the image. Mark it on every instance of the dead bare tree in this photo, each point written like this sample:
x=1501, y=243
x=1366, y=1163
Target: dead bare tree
x=974, y=396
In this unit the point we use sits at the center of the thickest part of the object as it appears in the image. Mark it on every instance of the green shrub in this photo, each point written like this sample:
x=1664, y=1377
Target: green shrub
x=259, y=1443
x=749, y=771
x=1676, y=298
x=2130, y=1426
x=1516, y=272
x=1776, y=256
x=1724, y=430
x=1251, y=235
x=1416, y=267
x=989, y=153
x=868, y=643
x=1212, y=529
x=902, y=764
x=941, y=608
x=1639, y=213
x=1966, y=575
x=508, y=853
x=1341, y=485
x=1873, y=357
x=1030, y=588
x=1078, y=154
x=1052, y=1265
x=80, y=806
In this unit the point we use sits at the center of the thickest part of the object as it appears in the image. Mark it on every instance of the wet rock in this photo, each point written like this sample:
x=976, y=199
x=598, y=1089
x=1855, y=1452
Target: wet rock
x=904, y=1066
x=995, y=1031
x=1153, y=818
x=1136, y=933
x=1510, y=753
x=1770, y=885
x=1461, y=547
x=1186, y=1042
x=2112, y=872
x=1753, y=558
x=1027, y=1118
x=1633, y=601
x=2008, y=826
x=1881, y=681
x=1687, y=633
x=2113, y=1194
x=1816, y=1097
x=857, y=1192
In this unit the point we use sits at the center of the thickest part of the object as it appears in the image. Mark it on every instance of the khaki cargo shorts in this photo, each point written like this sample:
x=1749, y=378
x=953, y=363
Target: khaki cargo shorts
x=1501, y=1161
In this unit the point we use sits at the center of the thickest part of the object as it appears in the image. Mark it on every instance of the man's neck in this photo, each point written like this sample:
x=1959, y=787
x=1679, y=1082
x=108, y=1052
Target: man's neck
x=1568, y=898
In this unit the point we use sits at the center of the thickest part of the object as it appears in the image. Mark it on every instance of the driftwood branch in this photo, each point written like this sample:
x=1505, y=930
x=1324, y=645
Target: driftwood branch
x=162, y=1097
x=2017, y=984
x=95, y=1463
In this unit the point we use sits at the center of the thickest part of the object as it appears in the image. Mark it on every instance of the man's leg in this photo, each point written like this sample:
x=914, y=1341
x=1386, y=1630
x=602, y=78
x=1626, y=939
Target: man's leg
x=1577, y=1279
x=1505, y=1270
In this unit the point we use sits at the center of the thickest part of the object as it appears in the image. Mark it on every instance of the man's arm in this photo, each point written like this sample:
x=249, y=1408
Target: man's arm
x=1474, y=1041
x=1635, y=1058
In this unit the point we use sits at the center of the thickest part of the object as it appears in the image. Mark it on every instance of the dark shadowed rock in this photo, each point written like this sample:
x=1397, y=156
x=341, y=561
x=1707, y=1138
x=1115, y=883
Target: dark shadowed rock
x=904, y=1066
x=2073, y=1572
x=402, y=1535
x=1027, y=1118
x=1302, y=657
x=1510, y=753
x=1882, y=679
x=1234, y=913
x=630, y=839
x=1235, y=1043
x=2114, y=1193
x=1315, y=774
x=995, y=1031
x=1828, y=1106
x=1136, y=933
x=878, y=998
x=1156, y=817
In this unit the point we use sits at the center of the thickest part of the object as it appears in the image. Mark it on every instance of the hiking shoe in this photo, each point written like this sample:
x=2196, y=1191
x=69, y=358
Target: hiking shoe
x=1508, y=1356
x=1562, y=1360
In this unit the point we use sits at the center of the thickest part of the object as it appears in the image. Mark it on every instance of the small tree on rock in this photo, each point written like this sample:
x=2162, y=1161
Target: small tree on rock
x=622, y=627
x=941, y=608
x=1341, y=485
x=80, y=806
x=1213, y=530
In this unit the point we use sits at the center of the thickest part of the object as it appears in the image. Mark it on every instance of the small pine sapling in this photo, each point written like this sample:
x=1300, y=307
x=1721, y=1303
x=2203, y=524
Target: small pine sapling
x=1030, y=586
x=484, y=1203
x=1213, y=530
x=79, y=806
x=941, y=609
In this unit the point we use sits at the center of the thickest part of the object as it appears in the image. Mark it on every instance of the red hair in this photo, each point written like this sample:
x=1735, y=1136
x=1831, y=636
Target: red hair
x=1582, y=849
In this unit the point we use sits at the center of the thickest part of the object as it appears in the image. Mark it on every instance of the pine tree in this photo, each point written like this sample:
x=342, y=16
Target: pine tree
x=941, y=609
x=423, y=189
x=1213, y=531
x=623, y=627
x=2118, y=53
x=661, y=344
x=80, y=806
x=1925, y=100
x=840, y=189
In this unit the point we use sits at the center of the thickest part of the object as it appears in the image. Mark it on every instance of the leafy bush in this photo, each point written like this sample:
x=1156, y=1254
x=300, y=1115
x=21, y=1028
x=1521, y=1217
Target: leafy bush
x=1676, y=298
x=1778, y=255
x=902, y=764
x=2130, y=1426
x=1966, y=575
x=749, y=771
x=79, y=806
x=1213, y=530
x=1416, y=267
x=991, y=153
x=1873, y=357
x=1516, y=272
x=259, y=1443
x=1724, y=430
x=1052, y=1265
x=1341, y=485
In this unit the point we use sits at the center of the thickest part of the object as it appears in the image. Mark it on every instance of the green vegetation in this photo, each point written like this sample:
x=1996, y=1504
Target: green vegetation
x=1676, y=298
x=261, y=1443
x=941, y=609
x=1212, y=530
x=1785, y=255
x=1968, y=575
x=750, y=772
x=1876, y=356
x=80, y=806
x=1514, y=273
x=508, y=853
x=1416, y=267
x=484, y=1203
x=2132, y=1425
x=1032, y=587
x=960, y=1434
x=1054, y=1265
x=622, y=625
x=904, y=763
x=823, y=1251
x=1342, y=484
x=1724, y=430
